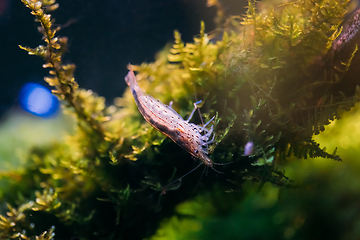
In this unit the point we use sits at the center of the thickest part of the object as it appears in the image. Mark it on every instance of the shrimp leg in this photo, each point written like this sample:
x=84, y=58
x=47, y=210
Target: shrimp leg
x=193, y=111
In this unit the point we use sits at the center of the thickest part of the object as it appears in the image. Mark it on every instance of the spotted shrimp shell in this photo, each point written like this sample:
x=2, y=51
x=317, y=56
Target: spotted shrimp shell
x=191, y=137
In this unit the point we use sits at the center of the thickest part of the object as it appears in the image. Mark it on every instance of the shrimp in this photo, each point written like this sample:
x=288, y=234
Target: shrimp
x=191, y=137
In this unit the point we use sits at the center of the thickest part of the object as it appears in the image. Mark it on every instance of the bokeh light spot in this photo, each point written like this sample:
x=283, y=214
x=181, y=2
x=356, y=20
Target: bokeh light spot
x=38, y=100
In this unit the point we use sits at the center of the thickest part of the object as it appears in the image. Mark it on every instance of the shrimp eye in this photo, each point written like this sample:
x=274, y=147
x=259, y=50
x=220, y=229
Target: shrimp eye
x=196, y=151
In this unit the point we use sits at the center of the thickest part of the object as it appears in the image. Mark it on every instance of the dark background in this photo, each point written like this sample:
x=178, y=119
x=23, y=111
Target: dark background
x=104, y=36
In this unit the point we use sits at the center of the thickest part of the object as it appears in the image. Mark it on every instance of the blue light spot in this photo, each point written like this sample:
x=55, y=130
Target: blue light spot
x=38, y=100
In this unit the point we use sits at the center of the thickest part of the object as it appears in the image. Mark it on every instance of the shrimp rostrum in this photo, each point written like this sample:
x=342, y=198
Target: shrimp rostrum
x=193, y=138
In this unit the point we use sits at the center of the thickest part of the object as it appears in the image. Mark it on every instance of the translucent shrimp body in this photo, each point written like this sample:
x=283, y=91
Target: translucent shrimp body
x=191, y=137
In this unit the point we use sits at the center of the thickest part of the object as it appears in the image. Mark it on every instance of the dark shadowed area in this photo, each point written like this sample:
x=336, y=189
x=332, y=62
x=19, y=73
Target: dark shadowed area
x=103, y=37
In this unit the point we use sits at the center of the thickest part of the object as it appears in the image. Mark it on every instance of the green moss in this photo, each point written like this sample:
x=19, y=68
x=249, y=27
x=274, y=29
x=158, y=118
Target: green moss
x=271, y=80
x=323, y=203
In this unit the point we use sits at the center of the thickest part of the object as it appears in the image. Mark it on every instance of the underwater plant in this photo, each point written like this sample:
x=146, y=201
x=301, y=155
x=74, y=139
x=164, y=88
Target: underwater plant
x=272, y=79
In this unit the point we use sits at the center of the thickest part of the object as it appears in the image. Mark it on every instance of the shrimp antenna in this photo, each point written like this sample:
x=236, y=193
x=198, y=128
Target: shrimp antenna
x=179, y=179
x=216, y=170
x=202, y=174
x=222, y=164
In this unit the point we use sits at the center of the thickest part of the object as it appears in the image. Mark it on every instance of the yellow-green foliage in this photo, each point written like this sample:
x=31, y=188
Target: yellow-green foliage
x=271, y=79
x=324, y=203
x=12, y=226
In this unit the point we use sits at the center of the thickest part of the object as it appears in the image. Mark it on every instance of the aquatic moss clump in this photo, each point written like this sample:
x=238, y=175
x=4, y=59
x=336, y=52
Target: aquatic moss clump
x=271, y=78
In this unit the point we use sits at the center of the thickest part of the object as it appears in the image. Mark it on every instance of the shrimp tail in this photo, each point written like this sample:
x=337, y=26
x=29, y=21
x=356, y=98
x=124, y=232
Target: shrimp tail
x=130, y=78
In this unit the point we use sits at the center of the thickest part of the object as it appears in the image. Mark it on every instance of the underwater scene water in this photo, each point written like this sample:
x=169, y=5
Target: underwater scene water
x=179, y=119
